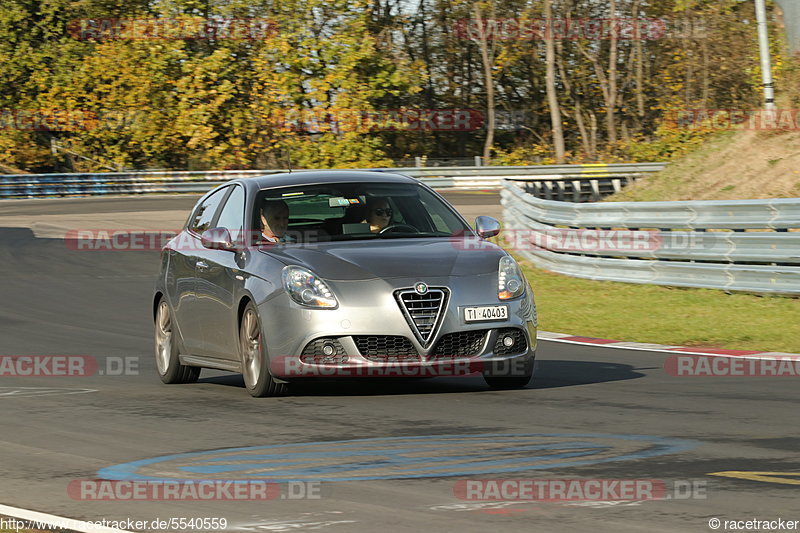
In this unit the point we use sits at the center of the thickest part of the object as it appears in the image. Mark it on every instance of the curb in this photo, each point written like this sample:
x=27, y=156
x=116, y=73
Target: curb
x=643, y=346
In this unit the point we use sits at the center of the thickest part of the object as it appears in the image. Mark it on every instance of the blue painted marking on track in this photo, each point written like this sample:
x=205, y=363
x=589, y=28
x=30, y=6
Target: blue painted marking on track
x=271, y=457
x=401, y=455
x=354, y=466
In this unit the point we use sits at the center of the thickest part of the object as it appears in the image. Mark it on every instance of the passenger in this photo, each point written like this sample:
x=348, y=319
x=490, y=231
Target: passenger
x=275, y=221
x=379, y=214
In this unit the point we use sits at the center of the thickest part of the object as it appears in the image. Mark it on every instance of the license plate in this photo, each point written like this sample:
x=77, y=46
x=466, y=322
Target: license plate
x=488, y=312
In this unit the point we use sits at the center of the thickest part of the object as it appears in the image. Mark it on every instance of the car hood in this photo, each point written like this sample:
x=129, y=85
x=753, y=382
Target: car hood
x=392, y=258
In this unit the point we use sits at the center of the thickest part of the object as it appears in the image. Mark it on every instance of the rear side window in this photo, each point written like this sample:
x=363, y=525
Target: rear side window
x=204, y=213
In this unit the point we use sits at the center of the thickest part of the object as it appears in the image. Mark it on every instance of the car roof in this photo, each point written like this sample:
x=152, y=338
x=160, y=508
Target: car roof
x=318, y=177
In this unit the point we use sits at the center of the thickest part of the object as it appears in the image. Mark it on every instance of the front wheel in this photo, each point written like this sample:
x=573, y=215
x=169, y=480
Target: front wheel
x=255, y=368
x=170, y=370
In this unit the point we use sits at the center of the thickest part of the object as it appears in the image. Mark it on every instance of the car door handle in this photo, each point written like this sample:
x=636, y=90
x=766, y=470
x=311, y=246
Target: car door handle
x=202, y=265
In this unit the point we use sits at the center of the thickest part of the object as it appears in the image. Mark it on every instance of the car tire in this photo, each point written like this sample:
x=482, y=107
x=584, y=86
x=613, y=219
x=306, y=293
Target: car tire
x=255, y=364
x=167, y=349
x=502, y=378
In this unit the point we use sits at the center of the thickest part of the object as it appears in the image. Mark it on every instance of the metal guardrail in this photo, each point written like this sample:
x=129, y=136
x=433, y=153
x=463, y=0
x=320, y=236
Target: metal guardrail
x=748, y=246
x=589, y=177
x=779, y=213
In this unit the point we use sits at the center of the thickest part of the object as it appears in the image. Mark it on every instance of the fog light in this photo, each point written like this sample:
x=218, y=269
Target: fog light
x=328, y=349
x=508, y=341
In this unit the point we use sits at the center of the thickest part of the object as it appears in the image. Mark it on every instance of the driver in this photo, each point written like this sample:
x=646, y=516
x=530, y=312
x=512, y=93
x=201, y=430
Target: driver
x=275, y=221
x=379, y=214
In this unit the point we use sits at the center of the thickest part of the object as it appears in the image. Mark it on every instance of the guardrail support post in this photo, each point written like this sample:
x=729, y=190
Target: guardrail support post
x=576, y=191
x=561, y=189
x=595, y=189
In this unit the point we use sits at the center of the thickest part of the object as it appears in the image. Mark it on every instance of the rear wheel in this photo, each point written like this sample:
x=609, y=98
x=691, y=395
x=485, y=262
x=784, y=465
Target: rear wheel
x=170, y=370
x=255, y=368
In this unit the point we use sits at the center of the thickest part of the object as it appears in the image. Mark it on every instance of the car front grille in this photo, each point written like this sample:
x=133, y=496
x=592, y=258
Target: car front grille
x=520, y=344
x=423, y=312
x=386, y=348
x=460, y=344
x=314, y=352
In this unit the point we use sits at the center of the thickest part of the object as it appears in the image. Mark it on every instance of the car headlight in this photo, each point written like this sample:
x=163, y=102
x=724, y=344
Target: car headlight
x=510, y=283
x=307, y=289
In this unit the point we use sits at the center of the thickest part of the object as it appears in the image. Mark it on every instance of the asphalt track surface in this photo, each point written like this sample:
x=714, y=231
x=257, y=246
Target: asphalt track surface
x=54, y=430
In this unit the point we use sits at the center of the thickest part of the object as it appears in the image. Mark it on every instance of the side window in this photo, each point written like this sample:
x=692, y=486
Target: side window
x=201, y=219
x=232, y=215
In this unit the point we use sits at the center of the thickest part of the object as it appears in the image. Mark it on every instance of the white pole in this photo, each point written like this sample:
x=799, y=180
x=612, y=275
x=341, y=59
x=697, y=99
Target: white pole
x=766, y=62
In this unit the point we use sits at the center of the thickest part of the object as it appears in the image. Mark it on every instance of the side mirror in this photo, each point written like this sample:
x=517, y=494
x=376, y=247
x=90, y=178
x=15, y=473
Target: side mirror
x=487, y=227
x=217, y=239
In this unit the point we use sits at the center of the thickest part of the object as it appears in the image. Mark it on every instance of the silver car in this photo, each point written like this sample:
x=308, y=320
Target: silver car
x=339, y=274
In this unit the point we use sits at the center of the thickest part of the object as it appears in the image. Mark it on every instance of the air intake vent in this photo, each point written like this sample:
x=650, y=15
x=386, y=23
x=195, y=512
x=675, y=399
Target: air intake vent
x=386, y=348
x=423, y=312
x=460, y=344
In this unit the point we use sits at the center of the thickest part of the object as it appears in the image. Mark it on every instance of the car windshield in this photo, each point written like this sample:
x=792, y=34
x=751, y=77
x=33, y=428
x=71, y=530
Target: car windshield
x=355, y=211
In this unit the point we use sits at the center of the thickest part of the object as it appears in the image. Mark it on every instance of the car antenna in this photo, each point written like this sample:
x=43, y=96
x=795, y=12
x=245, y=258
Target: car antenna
x=289, y=159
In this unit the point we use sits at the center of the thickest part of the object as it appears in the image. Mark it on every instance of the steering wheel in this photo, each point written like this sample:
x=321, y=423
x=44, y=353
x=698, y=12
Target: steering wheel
x=395, y=227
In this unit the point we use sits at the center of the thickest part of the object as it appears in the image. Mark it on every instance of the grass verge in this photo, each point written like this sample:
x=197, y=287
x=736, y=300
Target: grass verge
x=664, y=315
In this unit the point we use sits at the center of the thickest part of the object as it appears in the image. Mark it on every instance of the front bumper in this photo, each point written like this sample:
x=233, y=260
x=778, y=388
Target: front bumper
x=369, y=336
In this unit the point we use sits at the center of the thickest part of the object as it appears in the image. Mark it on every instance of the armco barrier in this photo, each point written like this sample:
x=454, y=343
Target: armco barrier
x=577, y=181
x=744, y=245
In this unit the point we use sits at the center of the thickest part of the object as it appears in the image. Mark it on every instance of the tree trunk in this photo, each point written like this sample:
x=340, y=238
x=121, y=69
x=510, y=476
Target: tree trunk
x=552, y=96
x=639, y=52
x=585, y=142
x=488, y=63
x=611, y=101
x=706, y=75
